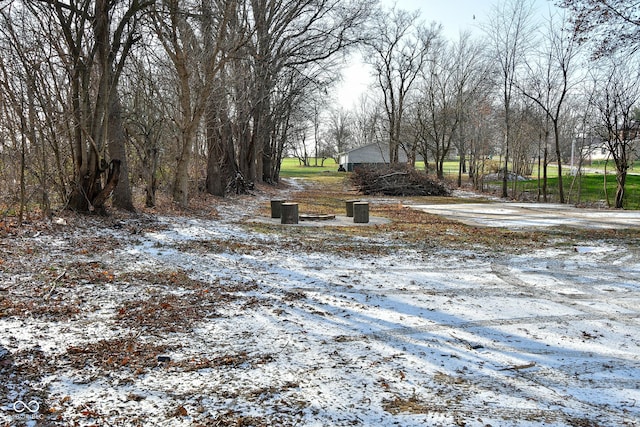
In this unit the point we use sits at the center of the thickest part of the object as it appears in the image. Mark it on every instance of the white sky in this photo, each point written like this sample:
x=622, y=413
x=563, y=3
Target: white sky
x=454, y=15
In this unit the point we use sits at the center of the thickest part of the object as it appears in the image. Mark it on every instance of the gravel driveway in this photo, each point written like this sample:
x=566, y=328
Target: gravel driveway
x=532, y=215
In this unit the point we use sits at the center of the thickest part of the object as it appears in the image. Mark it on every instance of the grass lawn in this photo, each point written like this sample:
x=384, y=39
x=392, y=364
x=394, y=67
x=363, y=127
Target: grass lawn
x=291, y=168
x=591, y=188
x=610, y=166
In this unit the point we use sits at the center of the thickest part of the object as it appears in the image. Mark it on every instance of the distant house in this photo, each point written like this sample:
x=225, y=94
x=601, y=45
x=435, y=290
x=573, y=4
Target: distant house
x=594, y=147
x=372, y=154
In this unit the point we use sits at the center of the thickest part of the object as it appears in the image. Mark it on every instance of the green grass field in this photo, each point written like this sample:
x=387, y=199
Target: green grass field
x=591, y=188
x=291, y=168
x=610, y=166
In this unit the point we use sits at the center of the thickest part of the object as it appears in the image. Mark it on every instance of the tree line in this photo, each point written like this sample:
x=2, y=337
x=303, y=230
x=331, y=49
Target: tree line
x=102, y=97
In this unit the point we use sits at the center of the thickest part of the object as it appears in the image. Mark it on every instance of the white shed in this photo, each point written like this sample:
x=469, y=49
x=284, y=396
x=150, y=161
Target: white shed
x=369, y=155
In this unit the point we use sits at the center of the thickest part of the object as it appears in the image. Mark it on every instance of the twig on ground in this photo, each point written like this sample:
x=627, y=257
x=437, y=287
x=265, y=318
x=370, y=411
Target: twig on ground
x=519, y=367
x=467, y=343
x=54, y=283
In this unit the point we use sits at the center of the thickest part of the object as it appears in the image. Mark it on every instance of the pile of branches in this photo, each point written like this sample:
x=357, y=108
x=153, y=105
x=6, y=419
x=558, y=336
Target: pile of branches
x=397, y=180
x=239, y=185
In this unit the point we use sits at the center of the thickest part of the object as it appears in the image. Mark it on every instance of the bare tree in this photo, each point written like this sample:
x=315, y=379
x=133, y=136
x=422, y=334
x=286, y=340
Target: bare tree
x=549, y=82
x=294, y=35
x=397, y=50
x=21, y=85
x=524, y=142
x=244, y=67
x=616, y=90
x=88, y=44
x=584, y=140
x=195, y=43
x=221, y=160
x=297, y=105
x=144, y=120
x=470, y=85
x=98, y=37
x=452, y=79
x=304, y=113
x=610, y=25
x=228, y=112
x=509, y=34
x=482, y=120
x=367, y=119
x=299, y=147
x=437, y=115
x=340, y=130
x=16, y=106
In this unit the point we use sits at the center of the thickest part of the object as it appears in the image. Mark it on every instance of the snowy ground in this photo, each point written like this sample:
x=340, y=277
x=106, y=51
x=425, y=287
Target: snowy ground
x=195, y=321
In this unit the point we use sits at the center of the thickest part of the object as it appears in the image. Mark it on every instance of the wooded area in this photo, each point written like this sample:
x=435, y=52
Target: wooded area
x=102, y=98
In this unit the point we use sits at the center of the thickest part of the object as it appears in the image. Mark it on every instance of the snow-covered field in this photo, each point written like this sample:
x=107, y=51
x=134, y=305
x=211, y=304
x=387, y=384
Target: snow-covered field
x=178, y=321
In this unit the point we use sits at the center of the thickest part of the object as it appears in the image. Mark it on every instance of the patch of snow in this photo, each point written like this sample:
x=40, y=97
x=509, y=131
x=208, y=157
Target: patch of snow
x=408, y=338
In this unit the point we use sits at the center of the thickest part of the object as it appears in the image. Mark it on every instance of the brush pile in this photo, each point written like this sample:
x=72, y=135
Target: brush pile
x=397, y=180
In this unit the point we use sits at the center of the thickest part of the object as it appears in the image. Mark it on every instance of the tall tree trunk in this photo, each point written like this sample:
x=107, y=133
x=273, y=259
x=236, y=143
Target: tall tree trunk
x=621, y=179
x=214, y=183
x=189, y=121
x=556, y=132
x=505, y=193
x=117, y=150
x=220, y=161
x=181, y=181
x=112, y=183
x=150, y=166
x=545, y=173
x=263, y=134
x=87, y=185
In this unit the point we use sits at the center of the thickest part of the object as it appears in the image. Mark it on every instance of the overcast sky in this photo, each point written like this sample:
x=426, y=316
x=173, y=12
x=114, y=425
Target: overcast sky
x=458, y=15
x=454, y=15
